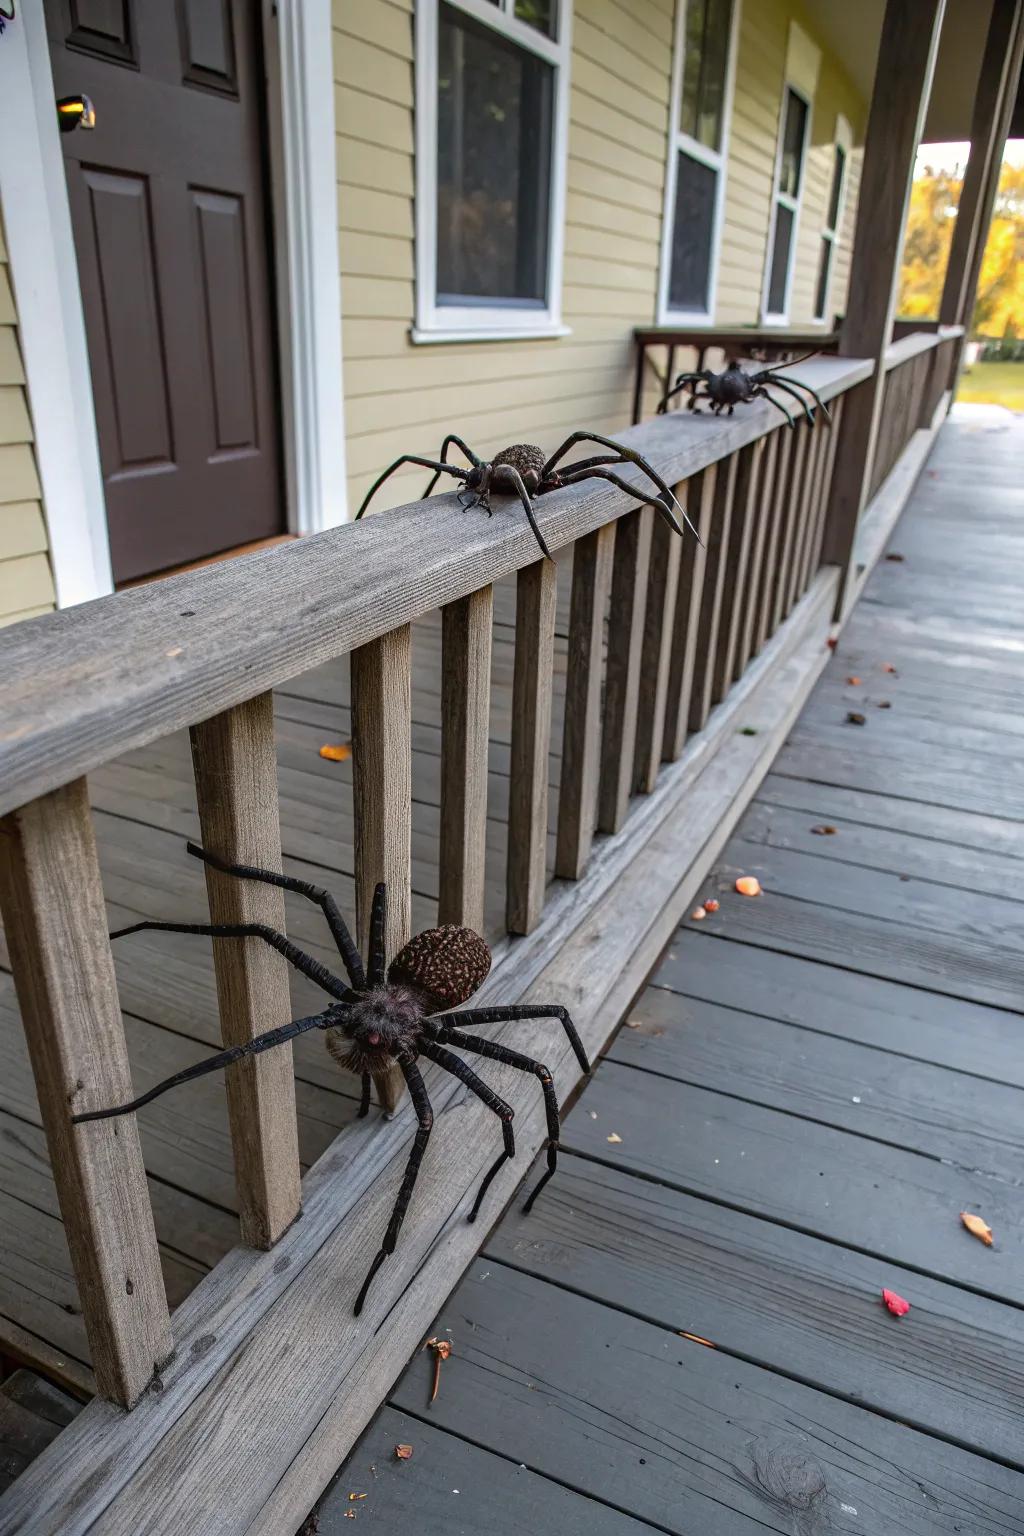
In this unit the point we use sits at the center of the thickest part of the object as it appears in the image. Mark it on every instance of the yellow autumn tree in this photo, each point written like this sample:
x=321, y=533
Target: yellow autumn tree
x=999, y=310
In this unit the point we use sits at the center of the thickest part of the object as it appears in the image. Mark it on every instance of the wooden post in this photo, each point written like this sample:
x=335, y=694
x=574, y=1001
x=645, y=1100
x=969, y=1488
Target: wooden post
x=536, y=595
x=236, y=787
x=382, y=790
x=622, y=682
x=581, y=731
x=903, y=77
x=51, y=897
x=465, y=717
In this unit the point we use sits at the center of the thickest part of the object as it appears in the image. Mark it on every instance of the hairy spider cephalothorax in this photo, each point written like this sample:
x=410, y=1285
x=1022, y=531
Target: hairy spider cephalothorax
x=385, y=1014
x=735, y=387
x=524, y=471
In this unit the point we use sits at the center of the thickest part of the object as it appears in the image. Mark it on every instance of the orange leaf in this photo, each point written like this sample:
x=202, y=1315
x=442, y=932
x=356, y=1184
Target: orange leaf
x=748, y=885
x=337, y=752
x=403, y=1452
x=711, y=905
x=897, y=1306
x=695, y=1338
x=853, y=682
x=698, y=915
x=977, y=1228
x=825, y=830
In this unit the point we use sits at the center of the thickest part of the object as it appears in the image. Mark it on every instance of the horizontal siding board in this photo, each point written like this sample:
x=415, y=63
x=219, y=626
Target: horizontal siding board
x=11, y=371
x=25, y=583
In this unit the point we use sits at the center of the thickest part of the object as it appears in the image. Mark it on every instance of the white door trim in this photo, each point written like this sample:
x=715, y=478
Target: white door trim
x=51, y=327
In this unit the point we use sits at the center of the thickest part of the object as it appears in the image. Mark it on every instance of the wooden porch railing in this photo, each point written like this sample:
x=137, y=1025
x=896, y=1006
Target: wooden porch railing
x=918, y=371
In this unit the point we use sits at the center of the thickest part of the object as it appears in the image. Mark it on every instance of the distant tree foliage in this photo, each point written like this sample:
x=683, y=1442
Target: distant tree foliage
x=999, y=310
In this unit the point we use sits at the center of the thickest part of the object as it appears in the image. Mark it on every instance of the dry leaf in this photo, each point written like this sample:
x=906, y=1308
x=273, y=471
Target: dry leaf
x=897, y=1306
x=174, y=651
x=853, y=718
x=832, y=642
x=403, y=1452
x=887, y=666
x=977, y=1228
x=853, y=682
x=894, y=557
x=695, y=1338
x=613, y=1138
x=748, y=885
x=711, y=905
x=825, y=830
x=698, y=915
x=337, y=752
x=353, y=1497
x=350, y=1514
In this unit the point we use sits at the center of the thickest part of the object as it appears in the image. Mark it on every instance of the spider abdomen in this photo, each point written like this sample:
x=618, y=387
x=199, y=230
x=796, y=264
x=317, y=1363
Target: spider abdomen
x=445, y=965
x=526, y=458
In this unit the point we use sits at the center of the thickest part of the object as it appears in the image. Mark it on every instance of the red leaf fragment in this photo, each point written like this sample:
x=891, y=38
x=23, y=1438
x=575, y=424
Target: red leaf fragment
x=832, y=642
x=711, y=905
x=825, y=830
x=403, y=1452
x=897, y=1306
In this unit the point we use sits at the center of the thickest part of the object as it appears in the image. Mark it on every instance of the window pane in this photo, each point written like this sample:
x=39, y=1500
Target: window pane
x=705, y=57
x=838, y=170
x=793, y=145
x=821, y=293
x=692, y=230
x=542, y=14
x=780, y=260
x=494, y=126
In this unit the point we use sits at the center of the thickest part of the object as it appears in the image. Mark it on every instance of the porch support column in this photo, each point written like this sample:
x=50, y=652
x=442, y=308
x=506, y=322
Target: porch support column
x=993, y=111
x=903, y=77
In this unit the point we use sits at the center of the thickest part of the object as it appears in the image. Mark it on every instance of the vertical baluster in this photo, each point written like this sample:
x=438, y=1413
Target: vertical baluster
x=826, y=485
x=762, y=506
x=236, y=787
x=773, y=542
x=536, y=595
x=811, y=467
x=622, y=682
x=465, y=716
x=581, y=733
x=51, y=898
x=700, y=500
x=744, y=515
x=656, y=655
x=382, y=792
x=826, y=438
x=711, y=602
x=787, y=527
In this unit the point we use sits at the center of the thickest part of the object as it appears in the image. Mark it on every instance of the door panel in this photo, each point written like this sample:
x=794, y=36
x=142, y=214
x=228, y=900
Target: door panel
x=169, y=210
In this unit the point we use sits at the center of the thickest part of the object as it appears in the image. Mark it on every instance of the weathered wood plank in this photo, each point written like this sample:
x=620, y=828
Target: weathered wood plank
x=775, y=514
x=465, y=719
x=710, y=615
x=700, y=492
x=748, y=603
x=630, y=575
x=52, y=901
x=790, y=513
x=581, y=732
x=655, y=656
x=531, y=744
x=236, y=790
x=724, y=1444
x=737, y=557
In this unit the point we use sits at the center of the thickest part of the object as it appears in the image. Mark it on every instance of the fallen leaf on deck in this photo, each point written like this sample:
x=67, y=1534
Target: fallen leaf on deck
x=403, y=1452
x=887, y=666
x=613, y=1138
x=748, y=730
x=748, y=885
x=174, y=651
x=337, y=752
x=698, y=915
x=350, y=1514
x=824, y=830
x=832, y=642
x=897, y=1306
x=630, y=1024
x=853, y=682
x=853, y=718
x=894, y=557
x=884, y=704
x=977, y=1228
x=711, y=905
x=354, y=1496
x=695, y=1338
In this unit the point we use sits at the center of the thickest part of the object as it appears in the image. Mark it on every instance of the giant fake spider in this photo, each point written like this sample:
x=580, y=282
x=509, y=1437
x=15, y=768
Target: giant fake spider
x=735, y=386
x=523, y=471
x=386, y=1014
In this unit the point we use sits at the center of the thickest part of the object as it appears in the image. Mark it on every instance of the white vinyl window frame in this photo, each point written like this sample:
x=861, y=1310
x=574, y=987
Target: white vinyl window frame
x=831, y=234
x=716, y=160
x=482, y=321
x=793, y=204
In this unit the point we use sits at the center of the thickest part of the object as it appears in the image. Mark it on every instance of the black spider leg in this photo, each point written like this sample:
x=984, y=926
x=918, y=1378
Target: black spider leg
x=492, y=1050
x=410, y=458
x=377, y=959
x=364, y=1097
x=524, y=497
x=570, y=477
x=791, y=386
x=266, y=1042
x=284, y=946
x=684, y=381
x=628, y=457
x=316, y=893
x=465, y=1074
x=425, y=1116
x=758, y=392
x=516, y=1013
x=443, y=458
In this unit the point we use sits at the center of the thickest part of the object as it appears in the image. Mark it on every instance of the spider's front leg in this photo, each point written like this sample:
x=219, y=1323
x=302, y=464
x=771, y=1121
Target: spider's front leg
x=451, y=441
x=411, y=458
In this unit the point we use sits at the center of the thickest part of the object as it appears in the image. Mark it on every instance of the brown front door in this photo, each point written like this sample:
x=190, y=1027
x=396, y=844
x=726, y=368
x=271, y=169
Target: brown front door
x=169, y=208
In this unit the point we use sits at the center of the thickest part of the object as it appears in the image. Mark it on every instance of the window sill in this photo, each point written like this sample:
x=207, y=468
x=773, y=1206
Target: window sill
x=542, y=332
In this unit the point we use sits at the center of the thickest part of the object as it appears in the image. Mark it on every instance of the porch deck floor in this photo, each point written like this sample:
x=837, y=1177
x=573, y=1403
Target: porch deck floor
x=687, y=1335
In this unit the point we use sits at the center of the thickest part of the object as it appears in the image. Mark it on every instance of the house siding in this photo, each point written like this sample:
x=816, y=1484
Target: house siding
x=26, y=582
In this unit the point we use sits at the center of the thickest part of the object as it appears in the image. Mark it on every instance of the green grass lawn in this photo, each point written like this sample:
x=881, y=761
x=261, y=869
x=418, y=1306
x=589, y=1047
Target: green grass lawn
x=994, y=384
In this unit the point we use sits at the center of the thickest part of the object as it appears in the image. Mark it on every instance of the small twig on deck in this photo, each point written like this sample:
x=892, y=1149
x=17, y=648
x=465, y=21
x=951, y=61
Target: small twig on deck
x=442, y=1351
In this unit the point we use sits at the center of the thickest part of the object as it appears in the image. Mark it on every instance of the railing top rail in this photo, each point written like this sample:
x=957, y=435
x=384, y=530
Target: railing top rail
x=901, y=351
x=83, y=686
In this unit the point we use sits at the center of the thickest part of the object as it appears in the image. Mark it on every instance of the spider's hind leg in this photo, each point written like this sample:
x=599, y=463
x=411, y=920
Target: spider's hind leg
x=425, y=1117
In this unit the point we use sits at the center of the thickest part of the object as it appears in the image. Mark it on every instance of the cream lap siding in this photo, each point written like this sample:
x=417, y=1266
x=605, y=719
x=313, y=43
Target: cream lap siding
x=401, y=397
x=26, y=583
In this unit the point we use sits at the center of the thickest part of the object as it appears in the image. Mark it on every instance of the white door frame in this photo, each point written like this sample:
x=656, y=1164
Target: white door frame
x=41, y=252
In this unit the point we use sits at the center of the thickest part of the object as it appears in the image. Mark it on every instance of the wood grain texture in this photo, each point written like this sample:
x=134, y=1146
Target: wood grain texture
x=709, y=618
x=382, y=792
x=630, y=572
x=759, y=551
x=236, y=790
x=656, y=654
x=581, y=733
x=52, y=902
x=531, y=742
x=465, y=722
x=700, y=492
